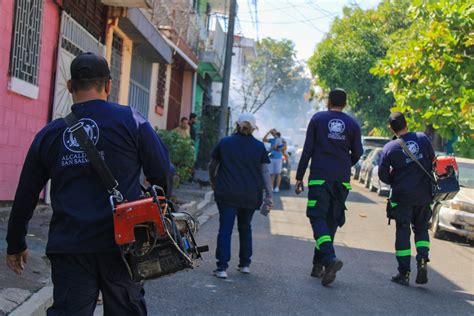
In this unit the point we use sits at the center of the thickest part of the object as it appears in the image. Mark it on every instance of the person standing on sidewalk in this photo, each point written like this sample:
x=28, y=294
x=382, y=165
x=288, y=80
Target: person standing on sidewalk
x=239, y=174
x=81, y=246
x=183, y=129
x=333, y=143
x=411, y=195
x=276, y=158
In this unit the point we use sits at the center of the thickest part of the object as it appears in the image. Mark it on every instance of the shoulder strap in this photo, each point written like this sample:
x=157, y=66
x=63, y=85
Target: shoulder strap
x=103, y=171
x=409, y=153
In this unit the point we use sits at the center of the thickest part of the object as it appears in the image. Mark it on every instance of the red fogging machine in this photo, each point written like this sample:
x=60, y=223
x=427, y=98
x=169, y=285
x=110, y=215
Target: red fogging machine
x=444, y=175
x=154, y=239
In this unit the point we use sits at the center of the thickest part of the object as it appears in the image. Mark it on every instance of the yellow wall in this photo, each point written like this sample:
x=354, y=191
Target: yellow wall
x=153, y=117
x=126, y=60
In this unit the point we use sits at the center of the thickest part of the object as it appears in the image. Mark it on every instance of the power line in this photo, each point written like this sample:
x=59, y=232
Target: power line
x=287, y=22
x=272, y=10
x=308, y=22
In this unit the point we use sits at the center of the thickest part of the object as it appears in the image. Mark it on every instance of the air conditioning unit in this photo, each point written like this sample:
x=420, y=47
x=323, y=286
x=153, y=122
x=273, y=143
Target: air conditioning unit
x=129, y=3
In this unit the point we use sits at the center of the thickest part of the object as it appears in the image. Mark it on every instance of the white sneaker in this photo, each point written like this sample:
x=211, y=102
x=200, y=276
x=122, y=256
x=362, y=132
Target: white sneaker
x=220, y=274
x=276, y=190
x=244, y=270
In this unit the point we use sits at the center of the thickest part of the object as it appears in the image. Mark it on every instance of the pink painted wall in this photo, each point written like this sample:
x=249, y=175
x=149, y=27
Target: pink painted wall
x=21, y=117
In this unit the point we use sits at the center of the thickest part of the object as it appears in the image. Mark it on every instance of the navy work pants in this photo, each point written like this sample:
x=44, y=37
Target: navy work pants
x=418, y=218
x=77, y=279
x=325, y=210
x=227, y=217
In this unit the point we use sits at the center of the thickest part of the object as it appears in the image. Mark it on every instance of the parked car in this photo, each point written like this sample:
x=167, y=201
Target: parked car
x=376, y=185
x=374, y=141
x=457, y=215
x=355, y=170
x=368, y=165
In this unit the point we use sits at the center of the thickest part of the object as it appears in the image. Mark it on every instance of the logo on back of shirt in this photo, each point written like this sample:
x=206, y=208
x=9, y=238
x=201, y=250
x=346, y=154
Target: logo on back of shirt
x=92, y=130
x=336, y=129
x=414, y=149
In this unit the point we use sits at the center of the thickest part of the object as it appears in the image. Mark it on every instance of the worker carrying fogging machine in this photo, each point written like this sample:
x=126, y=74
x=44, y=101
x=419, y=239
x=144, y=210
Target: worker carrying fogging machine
x=154, y=239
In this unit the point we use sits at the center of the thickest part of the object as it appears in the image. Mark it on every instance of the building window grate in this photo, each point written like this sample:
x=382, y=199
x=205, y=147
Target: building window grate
x=140, y=81
x=26, y=44
x=116, y=67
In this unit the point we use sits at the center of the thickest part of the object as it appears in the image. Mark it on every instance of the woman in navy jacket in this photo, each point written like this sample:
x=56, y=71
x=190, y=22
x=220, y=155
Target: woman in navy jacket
x=239, y=174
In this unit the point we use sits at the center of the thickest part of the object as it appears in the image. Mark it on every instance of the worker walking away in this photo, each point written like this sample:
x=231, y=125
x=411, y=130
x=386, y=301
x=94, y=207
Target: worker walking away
x=333, y=143
x=411, y=195
x=239, y=174
x=81, y=245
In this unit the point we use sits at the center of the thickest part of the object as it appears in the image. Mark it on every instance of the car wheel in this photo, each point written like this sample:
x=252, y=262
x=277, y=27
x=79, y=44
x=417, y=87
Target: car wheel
x=367, y=180
x=372, y=187
x=437, y=232
x=379, y=190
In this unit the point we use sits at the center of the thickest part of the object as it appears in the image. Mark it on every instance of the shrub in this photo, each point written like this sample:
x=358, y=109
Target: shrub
x=181, y=153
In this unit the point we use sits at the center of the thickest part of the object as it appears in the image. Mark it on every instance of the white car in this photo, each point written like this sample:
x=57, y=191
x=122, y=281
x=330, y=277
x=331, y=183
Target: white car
x=376, y=185
x=457, y=215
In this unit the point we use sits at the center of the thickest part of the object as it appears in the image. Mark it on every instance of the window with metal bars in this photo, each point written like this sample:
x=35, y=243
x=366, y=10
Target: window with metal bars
x=140, y=80
x=26, y=43
x=116, y=67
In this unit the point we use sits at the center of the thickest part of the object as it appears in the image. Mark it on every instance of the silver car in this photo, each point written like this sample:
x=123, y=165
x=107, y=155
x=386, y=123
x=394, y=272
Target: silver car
x=457, y=215
x=376, y=185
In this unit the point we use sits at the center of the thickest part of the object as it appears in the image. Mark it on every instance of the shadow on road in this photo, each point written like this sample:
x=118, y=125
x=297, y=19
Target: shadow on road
x=280, y=283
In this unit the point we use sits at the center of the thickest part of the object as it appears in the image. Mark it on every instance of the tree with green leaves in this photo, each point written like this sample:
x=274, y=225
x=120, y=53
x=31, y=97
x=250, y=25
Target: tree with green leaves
x=354, y=44
x=274, y=69
x=430, y=70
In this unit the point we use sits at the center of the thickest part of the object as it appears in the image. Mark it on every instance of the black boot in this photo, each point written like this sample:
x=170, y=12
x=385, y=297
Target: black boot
x=318, y=270
x=402, y=278
x=330, y=272
x=422, y=275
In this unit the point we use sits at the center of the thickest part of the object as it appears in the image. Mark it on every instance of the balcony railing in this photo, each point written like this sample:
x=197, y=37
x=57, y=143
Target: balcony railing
x=213, y=51
x=180, y=23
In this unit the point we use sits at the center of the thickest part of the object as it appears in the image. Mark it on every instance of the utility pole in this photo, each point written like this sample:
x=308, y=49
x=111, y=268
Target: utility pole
x=227, y=68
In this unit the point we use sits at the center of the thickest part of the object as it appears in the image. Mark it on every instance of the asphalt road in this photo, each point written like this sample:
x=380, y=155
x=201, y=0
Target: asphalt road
x=280, y=283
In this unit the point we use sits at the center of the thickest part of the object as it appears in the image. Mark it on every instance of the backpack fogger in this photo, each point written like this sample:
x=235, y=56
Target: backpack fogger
x=154, y=239
x=444, y=176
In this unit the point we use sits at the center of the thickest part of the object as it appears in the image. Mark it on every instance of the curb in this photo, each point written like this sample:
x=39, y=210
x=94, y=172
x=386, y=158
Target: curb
x=39, y=302
x=36, y=305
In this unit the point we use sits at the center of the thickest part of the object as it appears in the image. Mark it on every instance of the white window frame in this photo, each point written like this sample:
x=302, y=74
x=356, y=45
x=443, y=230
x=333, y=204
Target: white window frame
x=27, y=88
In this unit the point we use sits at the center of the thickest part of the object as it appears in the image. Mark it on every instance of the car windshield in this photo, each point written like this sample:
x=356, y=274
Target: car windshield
x=466, y=174
x=375, y=142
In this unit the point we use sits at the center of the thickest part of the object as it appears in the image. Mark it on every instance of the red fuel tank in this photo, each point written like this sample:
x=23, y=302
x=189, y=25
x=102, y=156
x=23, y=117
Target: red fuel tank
x=445, y=166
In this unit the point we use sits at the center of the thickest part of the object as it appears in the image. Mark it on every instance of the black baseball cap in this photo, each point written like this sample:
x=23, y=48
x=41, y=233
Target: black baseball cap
x=89, y=66
x=397, y=121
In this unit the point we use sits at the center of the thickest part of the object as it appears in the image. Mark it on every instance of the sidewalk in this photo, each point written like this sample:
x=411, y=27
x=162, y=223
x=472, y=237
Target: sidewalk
x=31, y=293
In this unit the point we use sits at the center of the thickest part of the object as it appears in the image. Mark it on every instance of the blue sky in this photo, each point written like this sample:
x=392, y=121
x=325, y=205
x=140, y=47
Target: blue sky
x=303, y=21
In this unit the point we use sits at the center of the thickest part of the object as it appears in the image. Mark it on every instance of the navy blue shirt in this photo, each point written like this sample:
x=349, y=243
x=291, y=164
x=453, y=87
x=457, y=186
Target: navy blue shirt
x=410, y=184
x=239, y=181
x=333, y=143
x=82, y=217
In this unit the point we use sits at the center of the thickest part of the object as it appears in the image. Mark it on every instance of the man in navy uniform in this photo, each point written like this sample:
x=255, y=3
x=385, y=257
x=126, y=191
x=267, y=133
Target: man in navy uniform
x=81, y=246
x=411, y=195
x=333, y=143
